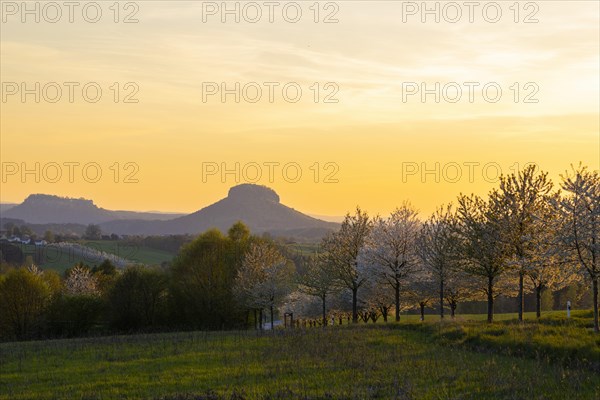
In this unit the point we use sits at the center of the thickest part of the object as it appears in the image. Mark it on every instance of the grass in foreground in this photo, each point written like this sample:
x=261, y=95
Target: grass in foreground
x=554, y=338
x=394, y=361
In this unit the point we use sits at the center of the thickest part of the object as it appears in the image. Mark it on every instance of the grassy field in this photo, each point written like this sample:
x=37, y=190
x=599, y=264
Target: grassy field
x=553, y=359
x=528, y=316
x=58, y=260
x=306, y=249
x=138, y=254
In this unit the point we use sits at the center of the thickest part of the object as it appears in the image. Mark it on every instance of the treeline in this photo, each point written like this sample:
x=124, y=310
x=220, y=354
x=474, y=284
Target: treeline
x=167, y=243
x=524, y=237
x=196, y=292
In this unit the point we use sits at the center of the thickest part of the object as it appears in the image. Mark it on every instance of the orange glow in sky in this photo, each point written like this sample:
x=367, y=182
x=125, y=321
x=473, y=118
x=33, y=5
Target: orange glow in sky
x=355, y=103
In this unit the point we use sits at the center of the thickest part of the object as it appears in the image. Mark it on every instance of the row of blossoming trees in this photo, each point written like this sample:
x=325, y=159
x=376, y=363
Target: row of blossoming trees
x=525, y=236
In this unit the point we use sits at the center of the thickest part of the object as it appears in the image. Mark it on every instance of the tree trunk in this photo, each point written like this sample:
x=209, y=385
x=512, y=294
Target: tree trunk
x=538, y=301
x=521, y=296
x=397, y=290
x=324, y=311
x=595, y=291
x=255, y=320
x=354, y=305
x=441, y=299
x=272, y=326
x=490, y=300
x=422, y=311
x=260, y=316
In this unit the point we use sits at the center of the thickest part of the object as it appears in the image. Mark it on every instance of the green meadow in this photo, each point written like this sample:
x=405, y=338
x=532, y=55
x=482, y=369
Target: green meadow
x=462, y=359
x=60, y=260
x=136, y=253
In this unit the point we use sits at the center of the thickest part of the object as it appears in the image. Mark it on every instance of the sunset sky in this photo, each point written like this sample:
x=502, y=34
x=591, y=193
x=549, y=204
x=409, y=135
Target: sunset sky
x=371, y=134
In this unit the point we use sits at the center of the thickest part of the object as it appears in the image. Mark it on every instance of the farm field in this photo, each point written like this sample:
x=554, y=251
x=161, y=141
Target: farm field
x=139, y=254
x=51, y=257
x=553, y=359
x=134, y=253
x=304, y=248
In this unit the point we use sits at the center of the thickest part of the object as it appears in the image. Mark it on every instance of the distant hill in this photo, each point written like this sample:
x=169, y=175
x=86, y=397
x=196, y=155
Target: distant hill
x=6, y=206
x=47, y=209
x=257, y=206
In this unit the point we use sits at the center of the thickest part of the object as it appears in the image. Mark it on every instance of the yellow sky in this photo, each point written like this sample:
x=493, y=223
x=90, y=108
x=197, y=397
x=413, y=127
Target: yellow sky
x=374, y=142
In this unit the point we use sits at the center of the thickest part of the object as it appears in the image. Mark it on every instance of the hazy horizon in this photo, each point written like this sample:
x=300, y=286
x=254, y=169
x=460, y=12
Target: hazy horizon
x=329, y=218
